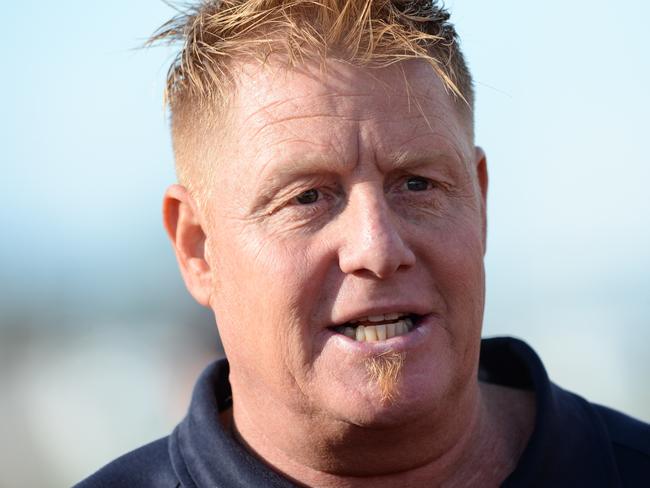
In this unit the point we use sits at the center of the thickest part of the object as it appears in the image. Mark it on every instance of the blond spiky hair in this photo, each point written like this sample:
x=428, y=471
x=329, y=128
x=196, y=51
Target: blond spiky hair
x=217, y=34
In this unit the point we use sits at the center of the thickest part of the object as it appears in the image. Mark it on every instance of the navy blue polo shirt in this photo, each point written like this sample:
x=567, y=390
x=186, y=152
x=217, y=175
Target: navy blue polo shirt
x=574, y=443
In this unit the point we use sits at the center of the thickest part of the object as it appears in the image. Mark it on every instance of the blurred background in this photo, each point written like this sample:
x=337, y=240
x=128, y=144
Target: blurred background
x=99, y=341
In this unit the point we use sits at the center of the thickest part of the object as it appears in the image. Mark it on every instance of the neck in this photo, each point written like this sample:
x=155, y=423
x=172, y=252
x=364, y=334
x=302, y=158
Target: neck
x=476, y=442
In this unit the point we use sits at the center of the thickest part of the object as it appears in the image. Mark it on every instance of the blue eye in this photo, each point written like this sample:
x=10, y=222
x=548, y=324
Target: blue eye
x=307, y=197
x=417, y=184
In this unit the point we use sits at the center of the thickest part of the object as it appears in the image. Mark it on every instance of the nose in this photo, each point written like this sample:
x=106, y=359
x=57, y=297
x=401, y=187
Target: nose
x=371, y=241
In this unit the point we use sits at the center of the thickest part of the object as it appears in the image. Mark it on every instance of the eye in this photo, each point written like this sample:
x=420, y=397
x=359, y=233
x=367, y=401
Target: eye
x=307, y=197
x=417, y=183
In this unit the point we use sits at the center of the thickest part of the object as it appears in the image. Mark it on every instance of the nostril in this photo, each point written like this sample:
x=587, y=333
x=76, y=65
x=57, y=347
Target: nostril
x=372, y=240
x=376, y=259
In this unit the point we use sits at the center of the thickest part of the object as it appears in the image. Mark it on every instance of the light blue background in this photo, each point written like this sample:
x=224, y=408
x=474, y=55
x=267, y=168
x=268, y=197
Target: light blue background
x=100, y=343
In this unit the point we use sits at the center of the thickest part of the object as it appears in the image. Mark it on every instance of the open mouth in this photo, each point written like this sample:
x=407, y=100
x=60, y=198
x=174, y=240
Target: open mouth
x=379, y=327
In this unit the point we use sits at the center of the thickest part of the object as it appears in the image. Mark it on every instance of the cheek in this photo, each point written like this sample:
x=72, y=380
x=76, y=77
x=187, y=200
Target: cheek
x=454, y=257
x=459, y=276
x=266, y=299
x=454, y=246
x=465, y=281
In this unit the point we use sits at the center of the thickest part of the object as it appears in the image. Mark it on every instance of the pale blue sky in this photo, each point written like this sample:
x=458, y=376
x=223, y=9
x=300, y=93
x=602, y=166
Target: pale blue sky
x=562, y=112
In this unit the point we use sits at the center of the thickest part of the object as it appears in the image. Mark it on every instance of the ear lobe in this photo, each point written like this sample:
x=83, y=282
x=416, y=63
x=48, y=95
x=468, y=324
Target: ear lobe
x=183, y=224
x=482, y=178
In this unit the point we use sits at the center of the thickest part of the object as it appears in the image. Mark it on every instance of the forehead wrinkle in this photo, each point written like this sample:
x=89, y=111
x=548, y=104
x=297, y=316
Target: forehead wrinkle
x=295, y=101
x=432, y=142
x=289, y=118
x=288, y=162
x=284, y=155
x=268, y=125
x=439, y=126
x=426, y=147
x=270, y=116
x=426, y=140
x=368, y=117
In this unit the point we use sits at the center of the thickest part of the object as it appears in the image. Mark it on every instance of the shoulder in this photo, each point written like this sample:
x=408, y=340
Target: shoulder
x=630, y=440
x=625, y=430
x=147, y=466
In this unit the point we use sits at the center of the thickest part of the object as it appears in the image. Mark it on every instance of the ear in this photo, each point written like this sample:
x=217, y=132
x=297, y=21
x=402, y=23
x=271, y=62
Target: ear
x=480, y=165
x=183, y=224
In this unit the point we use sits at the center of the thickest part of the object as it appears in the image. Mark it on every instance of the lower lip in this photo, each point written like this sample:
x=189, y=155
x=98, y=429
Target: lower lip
x=402, y=343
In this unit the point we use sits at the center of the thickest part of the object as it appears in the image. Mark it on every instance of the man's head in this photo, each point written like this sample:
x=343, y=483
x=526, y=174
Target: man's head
x=346, y=199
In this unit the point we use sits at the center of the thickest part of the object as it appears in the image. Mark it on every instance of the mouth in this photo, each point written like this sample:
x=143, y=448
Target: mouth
x=376, y=328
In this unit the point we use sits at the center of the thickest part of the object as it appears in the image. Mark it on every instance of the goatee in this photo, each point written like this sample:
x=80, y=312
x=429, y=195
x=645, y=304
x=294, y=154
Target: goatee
x=384, y=371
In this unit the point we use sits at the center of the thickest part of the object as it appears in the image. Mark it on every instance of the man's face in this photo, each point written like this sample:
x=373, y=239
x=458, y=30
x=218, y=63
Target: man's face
x=341, y=196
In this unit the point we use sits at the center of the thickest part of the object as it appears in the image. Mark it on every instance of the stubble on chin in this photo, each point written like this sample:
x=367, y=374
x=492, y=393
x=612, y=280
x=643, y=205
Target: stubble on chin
x=383, y=373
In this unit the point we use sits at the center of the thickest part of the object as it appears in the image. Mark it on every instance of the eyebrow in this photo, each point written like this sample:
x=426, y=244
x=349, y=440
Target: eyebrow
x=405, y=159
x=301, y=165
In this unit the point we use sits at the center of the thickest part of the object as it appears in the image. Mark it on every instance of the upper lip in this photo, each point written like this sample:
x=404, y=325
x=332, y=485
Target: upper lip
x=359, y=313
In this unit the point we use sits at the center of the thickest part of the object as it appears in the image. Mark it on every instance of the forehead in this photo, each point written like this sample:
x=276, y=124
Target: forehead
x=322, y=111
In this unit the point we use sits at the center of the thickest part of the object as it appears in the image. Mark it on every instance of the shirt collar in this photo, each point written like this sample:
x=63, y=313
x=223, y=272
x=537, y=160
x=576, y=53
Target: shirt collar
x=569, y=445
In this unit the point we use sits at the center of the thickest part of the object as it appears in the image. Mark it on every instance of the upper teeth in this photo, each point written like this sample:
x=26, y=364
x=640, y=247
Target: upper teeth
x=379, y=332
x=379, y=318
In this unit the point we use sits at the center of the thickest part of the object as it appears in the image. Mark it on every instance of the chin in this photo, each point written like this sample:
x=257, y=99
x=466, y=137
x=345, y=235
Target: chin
x=372, y=404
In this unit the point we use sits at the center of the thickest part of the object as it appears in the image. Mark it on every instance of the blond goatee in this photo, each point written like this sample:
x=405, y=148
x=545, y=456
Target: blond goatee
x=384, y=371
